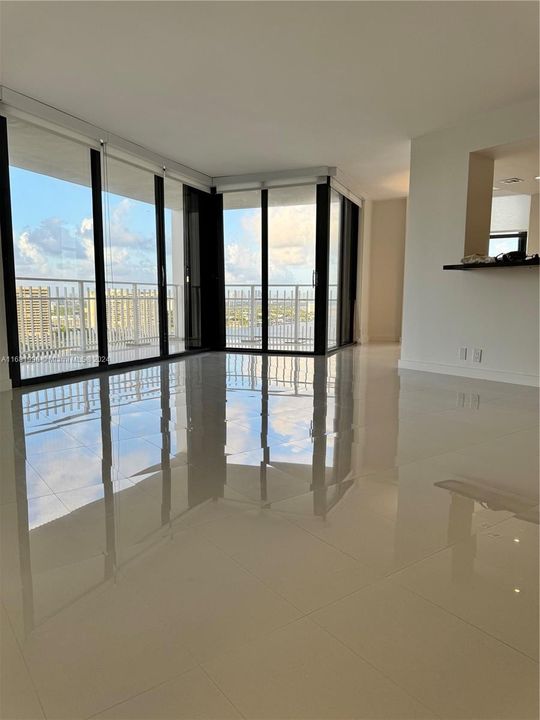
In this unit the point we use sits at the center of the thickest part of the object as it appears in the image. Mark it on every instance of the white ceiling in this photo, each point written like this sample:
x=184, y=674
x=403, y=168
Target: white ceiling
x=237, y=87
x=517, y=160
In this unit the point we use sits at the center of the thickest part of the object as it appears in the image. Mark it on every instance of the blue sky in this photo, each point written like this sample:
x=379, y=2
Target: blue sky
x=52, y=231
x=242, y=240
x=52, y=222
x=291, y=244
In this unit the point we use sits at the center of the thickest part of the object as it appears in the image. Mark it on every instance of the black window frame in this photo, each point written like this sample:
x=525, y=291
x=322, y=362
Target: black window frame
x=346, y=298
x=521, y=235
x=207, y=229
x=203, y=234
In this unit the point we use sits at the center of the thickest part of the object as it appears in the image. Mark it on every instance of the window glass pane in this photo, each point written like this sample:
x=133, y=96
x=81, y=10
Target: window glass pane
x=130, y=262
x=51, y=201
x=292, y=221
x=502, y=244
x=196, y=269
x=174, y=264
x=243, y=277
x=333, y=267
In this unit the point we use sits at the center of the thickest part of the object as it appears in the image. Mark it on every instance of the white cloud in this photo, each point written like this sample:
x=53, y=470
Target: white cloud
x=87, y=226
x=88, y=248
x=119, y=232
x=116, y=256
x=30, y=255
x=242, y=266
x=291, y=259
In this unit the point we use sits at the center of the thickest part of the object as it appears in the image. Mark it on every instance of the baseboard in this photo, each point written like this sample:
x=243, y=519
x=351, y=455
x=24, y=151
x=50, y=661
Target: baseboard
x=470, y=372
x=383, y=339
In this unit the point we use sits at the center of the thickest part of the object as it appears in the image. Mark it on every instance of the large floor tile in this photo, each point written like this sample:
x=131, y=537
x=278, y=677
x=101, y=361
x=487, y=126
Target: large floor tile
x=176, y=530
x=208, y=601
x=300, y=671
x=509, y=464
x=490, y=580
x=131, y=458
x=68, y=469
x=18, y=696
x=89, y=432
x=493, y=417
x=263, y=486
x=47, y=440
x=99, y=650
x=394, y=518
x=446, y=663
x=191, y=696
x=306, y=571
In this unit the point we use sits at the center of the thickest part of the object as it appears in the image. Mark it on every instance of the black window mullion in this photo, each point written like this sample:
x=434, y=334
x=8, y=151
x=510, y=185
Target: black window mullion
x=340, y=304
x=344, y=264
x=187, y=304
x=321, y=268
x=8, y=256
x=264, y=268
x=219, y=289
x=99, y=257
x=522, y=241
x=159, y=200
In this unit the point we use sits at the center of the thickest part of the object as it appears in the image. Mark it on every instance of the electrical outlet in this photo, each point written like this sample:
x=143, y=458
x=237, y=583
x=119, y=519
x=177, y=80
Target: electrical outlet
x=463, y=353
x=477, y=355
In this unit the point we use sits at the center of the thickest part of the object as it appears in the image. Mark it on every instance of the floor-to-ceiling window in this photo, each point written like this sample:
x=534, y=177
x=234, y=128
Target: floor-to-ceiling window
x=292, y=224
x=334, y=269
x=131, y=269
x=53, y=245
x=243, y=269
x=108, y=257
x=174, y=264
x=115, y=261
x=290, y=268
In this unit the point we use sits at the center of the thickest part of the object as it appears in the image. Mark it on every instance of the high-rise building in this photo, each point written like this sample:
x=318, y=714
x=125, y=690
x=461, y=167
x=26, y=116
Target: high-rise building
x=33, y=311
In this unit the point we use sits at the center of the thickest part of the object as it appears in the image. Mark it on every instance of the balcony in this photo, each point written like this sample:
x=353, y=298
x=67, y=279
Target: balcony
x=57, y=321
x=291, y=316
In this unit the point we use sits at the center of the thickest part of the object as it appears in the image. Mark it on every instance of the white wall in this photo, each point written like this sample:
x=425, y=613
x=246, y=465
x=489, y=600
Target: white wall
x=387, y=253
x=495, y=310
x=362, y=277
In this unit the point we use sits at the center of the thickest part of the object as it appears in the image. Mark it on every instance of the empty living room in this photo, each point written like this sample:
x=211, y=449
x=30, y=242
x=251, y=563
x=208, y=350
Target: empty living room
x=269, y=359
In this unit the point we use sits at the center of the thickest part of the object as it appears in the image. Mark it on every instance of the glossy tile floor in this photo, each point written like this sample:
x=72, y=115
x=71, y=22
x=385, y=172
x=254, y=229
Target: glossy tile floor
x=236, y=536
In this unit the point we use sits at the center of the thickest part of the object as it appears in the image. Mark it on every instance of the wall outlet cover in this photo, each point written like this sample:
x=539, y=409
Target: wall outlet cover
x=463, y=353
x=477, y=355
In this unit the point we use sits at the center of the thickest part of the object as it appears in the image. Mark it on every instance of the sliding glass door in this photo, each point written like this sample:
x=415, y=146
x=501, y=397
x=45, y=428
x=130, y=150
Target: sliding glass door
x=269, y=261
x=131, y=268
x=292, y=227
x=175, y=264
x=289, y=268
x=53, y=248
x=106, y=261
x=242, y=237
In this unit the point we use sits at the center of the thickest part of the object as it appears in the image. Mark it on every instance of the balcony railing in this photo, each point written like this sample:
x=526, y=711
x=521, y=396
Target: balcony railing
x=291, y=316
x=58, y=317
